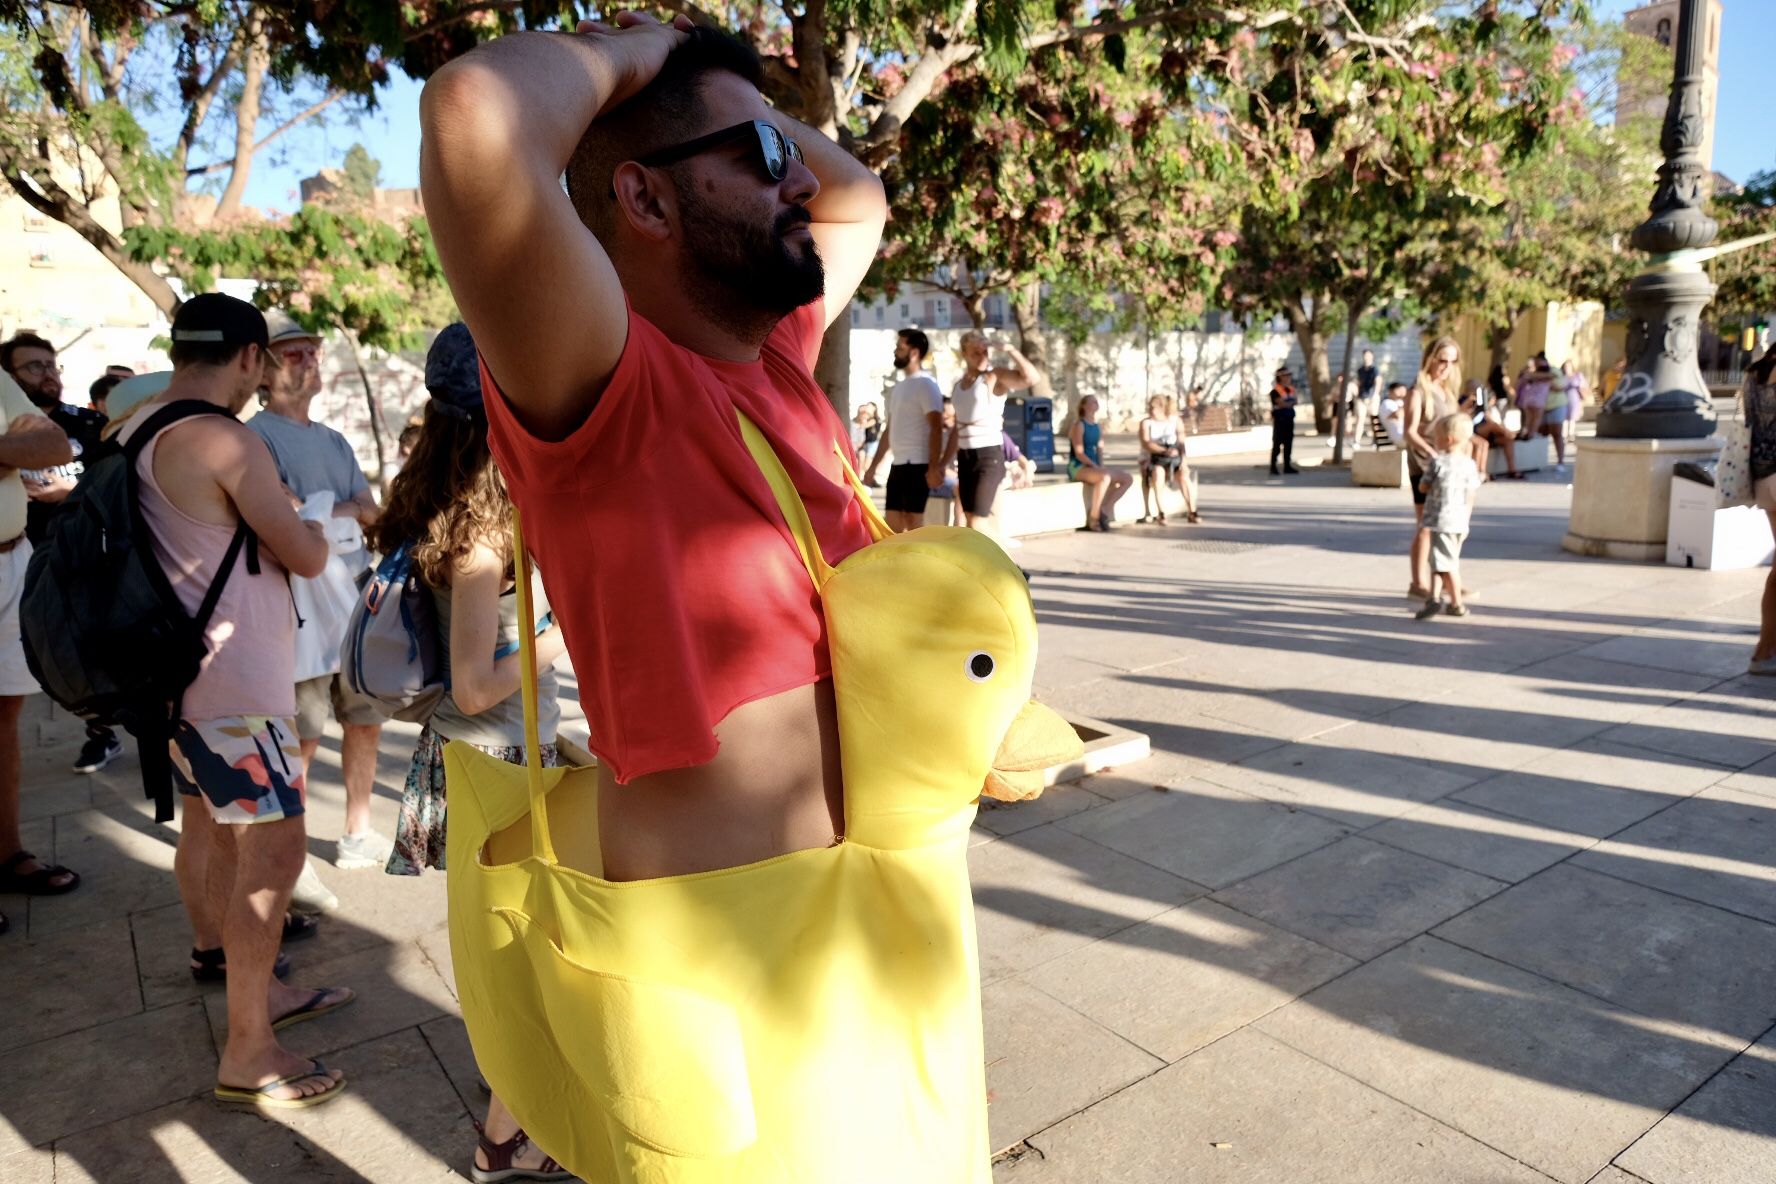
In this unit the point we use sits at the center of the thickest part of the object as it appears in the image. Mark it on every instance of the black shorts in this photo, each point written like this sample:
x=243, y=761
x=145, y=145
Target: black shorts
x=1168, y=464
x=907, y=491
x=978, y=474
x=1414, y=475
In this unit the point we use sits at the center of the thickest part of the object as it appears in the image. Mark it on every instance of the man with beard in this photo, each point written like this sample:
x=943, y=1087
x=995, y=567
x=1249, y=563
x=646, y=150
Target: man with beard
x=33, y=365
x=915, y=434
x=621, y=324
x=314, y=458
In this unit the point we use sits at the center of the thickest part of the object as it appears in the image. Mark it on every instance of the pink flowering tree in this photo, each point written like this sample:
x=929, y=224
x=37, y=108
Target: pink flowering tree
x=1376, y=147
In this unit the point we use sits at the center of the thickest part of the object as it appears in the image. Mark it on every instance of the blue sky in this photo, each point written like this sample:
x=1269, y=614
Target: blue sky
x=1745, y=136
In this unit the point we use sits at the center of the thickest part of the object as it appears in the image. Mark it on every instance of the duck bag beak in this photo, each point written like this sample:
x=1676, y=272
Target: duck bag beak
x=1039, y=739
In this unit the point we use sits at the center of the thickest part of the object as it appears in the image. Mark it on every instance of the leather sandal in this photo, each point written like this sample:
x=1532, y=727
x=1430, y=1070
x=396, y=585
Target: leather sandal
x=499, y=1161
x=37, y=883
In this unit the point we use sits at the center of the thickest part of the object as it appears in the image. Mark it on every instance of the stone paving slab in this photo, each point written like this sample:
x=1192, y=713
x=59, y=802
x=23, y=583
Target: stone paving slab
x=1666, y=958
x=1251, y=1109
x=1039, y=894
x=1494, y=845
x=1721, y=1133
x=1347, y=785
x=1554, y=1078
x=1595, y=788
x=1358, y=897
x=1046, y=1061
x=93, y=974
x=1718, y=847
x=1187, y=977
x=95, y=1076
x=1205, y=832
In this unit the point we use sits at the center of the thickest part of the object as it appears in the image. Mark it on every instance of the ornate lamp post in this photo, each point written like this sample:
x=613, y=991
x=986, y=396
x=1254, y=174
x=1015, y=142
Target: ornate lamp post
x=1662, y=395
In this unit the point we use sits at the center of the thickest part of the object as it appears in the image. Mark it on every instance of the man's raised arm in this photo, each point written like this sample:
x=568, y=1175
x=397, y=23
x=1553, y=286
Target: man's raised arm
x=538, y=292
x=849, y=213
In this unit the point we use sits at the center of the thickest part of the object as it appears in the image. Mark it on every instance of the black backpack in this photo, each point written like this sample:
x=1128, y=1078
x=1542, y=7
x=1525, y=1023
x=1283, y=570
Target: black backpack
x=104, y=631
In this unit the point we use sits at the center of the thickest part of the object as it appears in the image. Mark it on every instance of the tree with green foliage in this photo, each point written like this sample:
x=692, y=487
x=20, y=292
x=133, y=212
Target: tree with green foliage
x=362, y=173
x=163, y=105
x=1745, y=280
x=1393, y=135
x=377, y=282
x=1559, y=229
x=1075, y=177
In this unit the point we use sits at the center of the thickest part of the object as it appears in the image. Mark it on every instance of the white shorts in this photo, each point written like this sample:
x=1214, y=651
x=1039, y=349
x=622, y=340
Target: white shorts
x=15, y=676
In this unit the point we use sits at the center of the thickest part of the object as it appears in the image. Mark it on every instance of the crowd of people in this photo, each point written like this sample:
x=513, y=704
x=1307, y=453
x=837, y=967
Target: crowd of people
x=956, y=445
x=248, y=729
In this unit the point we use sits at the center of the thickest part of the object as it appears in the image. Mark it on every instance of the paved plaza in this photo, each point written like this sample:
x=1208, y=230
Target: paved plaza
x=1476, y=901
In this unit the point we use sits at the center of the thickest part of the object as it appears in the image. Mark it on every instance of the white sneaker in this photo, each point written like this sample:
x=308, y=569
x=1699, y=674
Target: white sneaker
x=310, y=895
x=366, y=850
x=1764, y=666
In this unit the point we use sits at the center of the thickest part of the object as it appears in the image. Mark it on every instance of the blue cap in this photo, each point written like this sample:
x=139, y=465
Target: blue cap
x=453, y=373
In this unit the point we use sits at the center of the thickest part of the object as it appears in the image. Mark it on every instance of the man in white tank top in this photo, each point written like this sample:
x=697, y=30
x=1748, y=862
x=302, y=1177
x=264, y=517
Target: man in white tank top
x=242, y=838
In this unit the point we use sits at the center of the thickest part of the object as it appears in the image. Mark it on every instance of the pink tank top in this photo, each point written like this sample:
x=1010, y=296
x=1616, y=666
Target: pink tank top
x=250, y=667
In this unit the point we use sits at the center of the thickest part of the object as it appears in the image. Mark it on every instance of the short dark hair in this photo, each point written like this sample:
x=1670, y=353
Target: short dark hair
x=102, y=387
x=203, y=353
x=667, y=111
x=1396, y=386
x=22, y=341
x=917, y=340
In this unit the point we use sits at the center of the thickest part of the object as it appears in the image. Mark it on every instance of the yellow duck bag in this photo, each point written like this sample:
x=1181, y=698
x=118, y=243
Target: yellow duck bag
x=809, y=1019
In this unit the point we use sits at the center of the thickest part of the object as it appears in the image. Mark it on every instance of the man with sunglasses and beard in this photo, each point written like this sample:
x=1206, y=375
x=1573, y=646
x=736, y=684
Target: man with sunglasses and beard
x=701, y=246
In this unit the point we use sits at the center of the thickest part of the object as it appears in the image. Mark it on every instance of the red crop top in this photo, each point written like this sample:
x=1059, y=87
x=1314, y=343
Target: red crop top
x=678, y=586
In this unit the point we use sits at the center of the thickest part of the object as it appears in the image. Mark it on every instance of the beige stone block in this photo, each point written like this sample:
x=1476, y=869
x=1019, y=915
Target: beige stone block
x=1622, y=494
x=1382, y=468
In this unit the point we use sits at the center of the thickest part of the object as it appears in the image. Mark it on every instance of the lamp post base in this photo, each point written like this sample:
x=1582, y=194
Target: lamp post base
x=1622, y=495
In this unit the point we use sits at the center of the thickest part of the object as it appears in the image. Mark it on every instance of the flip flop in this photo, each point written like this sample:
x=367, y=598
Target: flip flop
x=35, y=883
x=261, y=1099
x=314, y=1008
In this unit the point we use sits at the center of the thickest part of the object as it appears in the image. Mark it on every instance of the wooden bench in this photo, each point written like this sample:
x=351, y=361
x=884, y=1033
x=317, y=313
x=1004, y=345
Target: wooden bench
x=1378, y=433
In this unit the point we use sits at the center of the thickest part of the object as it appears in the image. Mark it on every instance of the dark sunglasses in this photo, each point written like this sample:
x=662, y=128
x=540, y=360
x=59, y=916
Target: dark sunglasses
x=775, y=149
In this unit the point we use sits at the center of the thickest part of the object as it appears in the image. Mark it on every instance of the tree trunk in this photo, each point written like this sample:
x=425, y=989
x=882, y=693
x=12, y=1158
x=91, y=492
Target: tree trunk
x=375, y=406
x=976, y=304
x=1498, y=341
x=246, y=121
x=1026, y=313
x=833, y=369
x=1354, y=315
x=1310, y=333
x=55, y=202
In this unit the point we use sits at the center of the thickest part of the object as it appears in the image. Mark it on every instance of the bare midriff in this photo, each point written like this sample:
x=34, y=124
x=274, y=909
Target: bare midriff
x=774, y=787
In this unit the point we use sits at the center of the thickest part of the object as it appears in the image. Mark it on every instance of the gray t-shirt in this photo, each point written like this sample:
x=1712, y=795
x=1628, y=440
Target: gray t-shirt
x=311, y=457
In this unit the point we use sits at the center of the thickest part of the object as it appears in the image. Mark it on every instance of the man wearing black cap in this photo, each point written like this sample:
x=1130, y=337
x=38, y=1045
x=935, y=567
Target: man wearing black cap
x=235, y=751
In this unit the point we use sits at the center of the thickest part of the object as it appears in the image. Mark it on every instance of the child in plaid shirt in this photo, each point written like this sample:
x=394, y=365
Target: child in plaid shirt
x=1449, y=483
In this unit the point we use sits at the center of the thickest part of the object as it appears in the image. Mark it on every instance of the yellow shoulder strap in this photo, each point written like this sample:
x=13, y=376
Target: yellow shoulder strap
x=788, y=500
x=878, y=526
x=541, y=845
